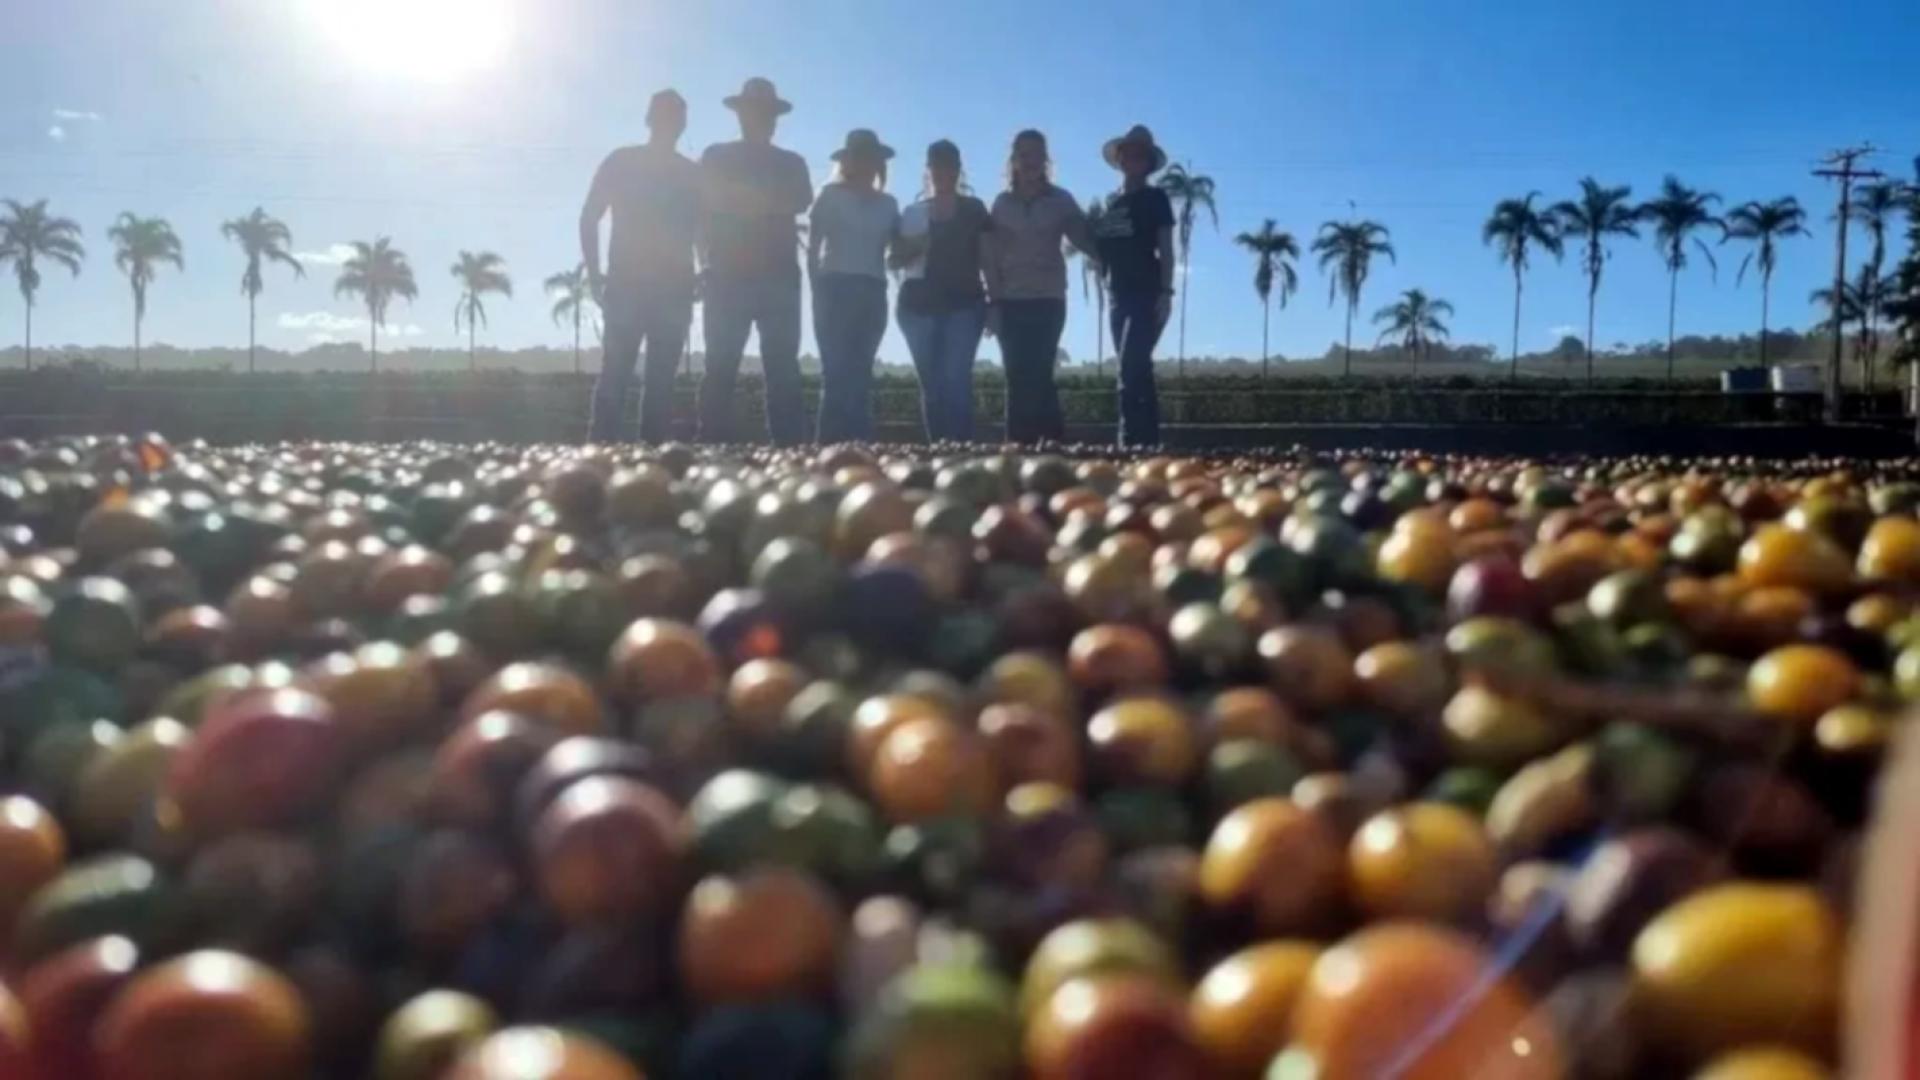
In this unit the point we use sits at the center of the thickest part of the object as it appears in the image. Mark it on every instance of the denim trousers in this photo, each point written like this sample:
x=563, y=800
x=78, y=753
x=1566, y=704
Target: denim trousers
x=734, y=306
x=1135, y=322
x=849, y=319
x=655, y=317
x=1029, y=344
x=944, y=344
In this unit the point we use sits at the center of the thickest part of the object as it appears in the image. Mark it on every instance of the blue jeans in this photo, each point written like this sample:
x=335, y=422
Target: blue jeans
x=734, y=307
x=944, y=344
x=1029, y=346
x=1135, y=321
x=657, y=316
x=849, y=319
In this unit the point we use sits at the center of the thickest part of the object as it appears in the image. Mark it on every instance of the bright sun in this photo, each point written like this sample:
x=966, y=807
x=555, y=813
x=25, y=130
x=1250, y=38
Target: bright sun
x=432, y=40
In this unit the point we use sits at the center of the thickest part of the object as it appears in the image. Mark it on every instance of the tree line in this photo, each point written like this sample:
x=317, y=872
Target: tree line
x=1597, y=216
x=376, y=272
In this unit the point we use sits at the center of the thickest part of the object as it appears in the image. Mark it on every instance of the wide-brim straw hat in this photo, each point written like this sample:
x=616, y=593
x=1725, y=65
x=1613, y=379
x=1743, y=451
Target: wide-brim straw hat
x=758, y=94
x=1138, y=135
x=862, y=142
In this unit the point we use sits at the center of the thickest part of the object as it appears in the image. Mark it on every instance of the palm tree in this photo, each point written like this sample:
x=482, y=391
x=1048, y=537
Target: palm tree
x=1675, y=214
x=1093, y=283
x=1764, y=225
x=1273, y=255
x=1515, y=226
x=1874, y=207
x=478, y=274
x=1599, y=213
x=1190, y=191
x=262, y=239
x=1348, y=248
x=1417, y=320
x=572, y=294
x=1861, y=302
x=376, y=273
x=140, y=245
x=28, y=234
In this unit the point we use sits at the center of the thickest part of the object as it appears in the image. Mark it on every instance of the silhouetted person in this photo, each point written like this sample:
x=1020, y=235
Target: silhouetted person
x=646, y=293
x=1135, y=237
x=943, y=308
x=753, y=190
x=1027, y=285
x=848, y=232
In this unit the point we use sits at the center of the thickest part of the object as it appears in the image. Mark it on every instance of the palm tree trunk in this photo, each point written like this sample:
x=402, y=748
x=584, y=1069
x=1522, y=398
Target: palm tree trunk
x=29, y=333
x=1185, y=279
x=1913, y=391
x=373, y=342
x=1869, y=324
x=136, y=341
x=473, y=355
x=250, y=332
x=1673, y=303
x=1593, y=294
x=1513, y=366
x=1346, y=371
x=1100, y=330
x=576, y=339
x=1766, y=281
x=1266, y=320
x=1869, y=344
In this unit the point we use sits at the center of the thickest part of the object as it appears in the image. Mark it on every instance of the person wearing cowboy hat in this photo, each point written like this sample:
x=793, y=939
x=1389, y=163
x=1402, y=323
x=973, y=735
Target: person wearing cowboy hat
x=754, y=191
x=1134, y=233
x=653, y=195
x=848, y=232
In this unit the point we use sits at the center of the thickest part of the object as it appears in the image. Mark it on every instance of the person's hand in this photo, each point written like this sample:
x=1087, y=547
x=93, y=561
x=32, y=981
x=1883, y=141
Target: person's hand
x=1163, y=309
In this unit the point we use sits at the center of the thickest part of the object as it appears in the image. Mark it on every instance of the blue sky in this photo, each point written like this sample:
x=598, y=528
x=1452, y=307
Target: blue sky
x=354, y=118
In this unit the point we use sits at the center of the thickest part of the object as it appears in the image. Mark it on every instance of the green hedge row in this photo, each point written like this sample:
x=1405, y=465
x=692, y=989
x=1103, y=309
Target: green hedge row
x=505, y=406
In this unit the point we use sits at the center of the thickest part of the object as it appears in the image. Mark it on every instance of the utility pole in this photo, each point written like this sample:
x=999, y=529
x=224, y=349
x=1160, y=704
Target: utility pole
x=1839, y=165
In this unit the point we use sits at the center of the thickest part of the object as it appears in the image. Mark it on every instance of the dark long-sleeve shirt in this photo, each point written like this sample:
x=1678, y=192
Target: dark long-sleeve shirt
x=753, y=193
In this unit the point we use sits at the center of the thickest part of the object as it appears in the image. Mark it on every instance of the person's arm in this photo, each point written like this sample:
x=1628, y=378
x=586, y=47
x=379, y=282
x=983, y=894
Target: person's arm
x=1163, y=246
x=890, y=248
x=992, y=272
x=902, y=249
x=816, y=231
x=704, y=176
x=595, y=208
x=798, y=189
x=1078, y=233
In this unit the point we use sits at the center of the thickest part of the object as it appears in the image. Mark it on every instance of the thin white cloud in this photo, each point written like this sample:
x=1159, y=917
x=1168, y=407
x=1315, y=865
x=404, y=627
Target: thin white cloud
x=331, y=255
x=328, y=326
x=57, y=133
x=78, y=114
x=1562, y=331
x=324, y=322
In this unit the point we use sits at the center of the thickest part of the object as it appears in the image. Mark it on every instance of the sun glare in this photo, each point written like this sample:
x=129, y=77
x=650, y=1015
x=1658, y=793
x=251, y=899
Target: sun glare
x=431, y=40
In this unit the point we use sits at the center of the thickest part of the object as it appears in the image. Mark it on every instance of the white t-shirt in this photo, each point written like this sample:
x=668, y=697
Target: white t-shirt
x=853, y=228
x=916, y=221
